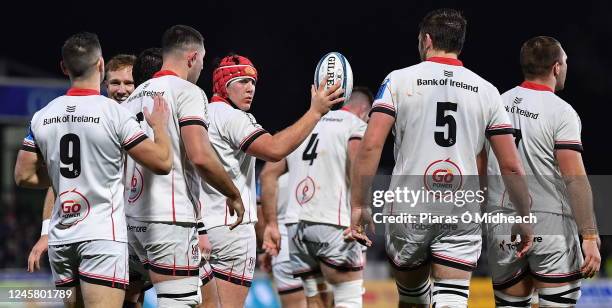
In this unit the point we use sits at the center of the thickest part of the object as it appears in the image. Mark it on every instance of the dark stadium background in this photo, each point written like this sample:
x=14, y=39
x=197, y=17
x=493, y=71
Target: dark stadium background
x=286, y=39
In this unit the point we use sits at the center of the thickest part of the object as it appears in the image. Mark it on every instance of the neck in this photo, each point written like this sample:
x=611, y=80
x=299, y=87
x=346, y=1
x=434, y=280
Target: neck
x=90, y=83
x=354, y=109
x=547, y=81
x=440, y=53
x=178, y=68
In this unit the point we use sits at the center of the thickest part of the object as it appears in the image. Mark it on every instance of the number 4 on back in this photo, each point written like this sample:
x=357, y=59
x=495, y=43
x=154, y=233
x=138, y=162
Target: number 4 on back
x=310, y=153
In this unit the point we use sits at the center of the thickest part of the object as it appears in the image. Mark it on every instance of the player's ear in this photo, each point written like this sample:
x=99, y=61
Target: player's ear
x=556, y=69
x=63, y=67
x=100, y=66
x=428, y=42
x=191, y=58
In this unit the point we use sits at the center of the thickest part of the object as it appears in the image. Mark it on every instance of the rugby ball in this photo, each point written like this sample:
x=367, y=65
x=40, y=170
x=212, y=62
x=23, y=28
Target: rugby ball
x=335, y=66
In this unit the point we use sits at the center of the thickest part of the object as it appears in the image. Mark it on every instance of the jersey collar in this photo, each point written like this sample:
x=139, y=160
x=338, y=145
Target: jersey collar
x=444, y=60
x=81, y=92
x=164, y=73
x=535, y=86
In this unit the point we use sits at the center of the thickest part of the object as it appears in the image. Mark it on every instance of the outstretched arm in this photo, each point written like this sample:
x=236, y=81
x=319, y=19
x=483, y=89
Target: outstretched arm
x=278, y=146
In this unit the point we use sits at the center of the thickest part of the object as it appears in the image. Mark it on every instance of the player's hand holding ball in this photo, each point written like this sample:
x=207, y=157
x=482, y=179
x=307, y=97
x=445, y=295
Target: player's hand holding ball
x=322, y=100
x=334, y=81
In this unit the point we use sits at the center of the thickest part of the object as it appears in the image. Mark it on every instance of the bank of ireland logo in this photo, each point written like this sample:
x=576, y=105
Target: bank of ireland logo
x=305, y=190
x=443, y=175
x=74, y=208
x=136, y=186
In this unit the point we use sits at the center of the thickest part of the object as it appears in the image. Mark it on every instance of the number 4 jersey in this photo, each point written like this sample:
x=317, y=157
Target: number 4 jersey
x=319, y=171
x=81, y=137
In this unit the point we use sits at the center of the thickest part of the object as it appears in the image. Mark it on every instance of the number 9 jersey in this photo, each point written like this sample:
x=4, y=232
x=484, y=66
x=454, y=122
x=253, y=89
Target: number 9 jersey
x=81, y=137
x=442, y=111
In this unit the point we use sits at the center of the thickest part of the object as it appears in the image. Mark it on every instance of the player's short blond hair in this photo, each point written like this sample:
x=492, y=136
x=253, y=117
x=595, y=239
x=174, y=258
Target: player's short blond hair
x=119, y=62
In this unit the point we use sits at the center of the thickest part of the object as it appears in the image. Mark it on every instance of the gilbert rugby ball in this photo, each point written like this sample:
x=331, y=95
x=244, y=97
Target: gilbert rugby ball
x=335, y=66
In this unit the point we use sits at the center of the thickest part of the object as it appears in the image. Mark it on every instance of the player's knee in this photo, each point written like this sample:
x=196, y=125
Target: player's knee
x=183, y=292
x=348, y=294
x=450, y=293
x=564, y=296
x=505, y=300
x=420, y=294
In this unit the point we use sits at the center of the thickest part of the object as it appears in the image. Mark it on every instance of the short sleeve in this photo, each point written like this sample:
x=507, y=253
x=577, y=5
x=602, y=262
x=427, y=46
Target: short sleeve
x=191, y=107
x=128, y=130
x=498, y=122
x=567, y=132
x=358, y=129
x=29, y=142
x=242, y=129
x=384, y=102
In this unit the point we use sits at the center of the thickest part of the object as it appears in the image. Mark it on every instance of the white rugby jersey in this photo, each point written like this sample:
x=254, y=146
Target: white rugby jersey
x=172, y=197
x=544, y=123
x=231, y=132
x=81, y=137
x=318, y=171
x=443, y=112
x=282, y=199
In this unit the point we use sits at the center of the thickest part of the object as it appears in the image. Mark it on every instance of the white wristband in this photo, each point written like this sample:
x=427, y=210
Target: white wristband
x=45, y=227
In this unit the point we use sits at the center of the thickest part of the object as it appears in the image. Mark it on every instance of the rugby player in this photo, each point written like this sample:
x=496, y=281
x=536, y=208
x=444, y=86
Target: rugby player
x=441, y=113
x=547, y=136
x=118, y=77
x=162, y=211
x=87, y=232
x=318, y=212
x=145, y=65
x=239, y=139
x=119, y=85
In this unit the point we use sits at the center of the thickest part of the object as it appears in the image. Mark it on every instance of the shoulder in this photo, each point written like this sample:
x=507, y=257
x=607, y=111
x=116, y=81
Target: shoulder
x=510, y=94
x=563, y=106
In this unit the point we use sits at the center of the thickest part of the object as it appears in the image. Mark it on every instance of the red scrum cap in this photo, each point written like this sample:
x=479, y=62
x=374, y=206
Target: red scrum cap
x=231, y=68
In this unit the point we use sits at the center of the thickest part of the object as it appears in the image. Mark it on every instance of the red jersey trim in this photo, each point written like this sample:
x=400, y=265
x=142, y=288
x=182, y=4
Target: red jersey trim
x=81, y=92
x=164, y=73
x=443, y=60
x=535, y=86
